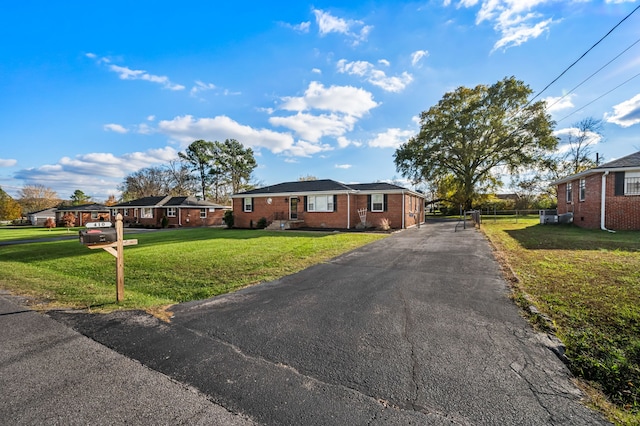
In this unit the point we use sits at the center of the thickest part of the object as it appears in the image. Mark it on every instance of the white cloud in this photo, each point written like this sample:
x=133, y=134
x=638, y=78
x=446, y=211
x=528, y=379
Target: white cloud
x=201, y=87
x=626, y=113
x=126, y=73
x=347, y=100
x=558, y=103
x=343, y=142
x=343, y=166
x=97, y=174
x=342, y=106
x=316, y=71
x=302, y=27
x=115, y=128
x=515, y=20
x=565, y=134
x=384, y=62
x=356, y=30
x=392, y=138
x=417, y=56
x=314, y=127
x=186, y=129
x=151, y=118
x=375, y=76
x=7, y=162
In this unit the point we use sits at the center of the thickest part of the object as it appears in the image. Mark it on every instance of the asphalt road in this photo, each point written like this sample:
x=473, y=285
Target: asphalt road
x=52, y=375
x=417, y=328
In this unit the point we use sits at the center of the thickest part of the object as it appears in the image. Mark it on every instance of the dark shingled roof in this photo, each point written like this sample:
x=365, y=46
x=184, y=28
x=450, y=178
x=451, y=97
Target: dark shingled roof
x=632, y=160
x=300, y=186
x=142, y=202
x=377, y=186
x=167, y=201
x=190, y=202
x=85, y=208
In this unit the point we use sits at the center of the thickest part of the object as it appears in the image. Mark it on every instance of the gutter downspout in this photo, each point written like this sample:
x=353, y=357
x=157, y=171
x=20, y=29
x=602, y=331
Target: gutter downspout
x=348, y=210
x=602, y=202
x=403, y=201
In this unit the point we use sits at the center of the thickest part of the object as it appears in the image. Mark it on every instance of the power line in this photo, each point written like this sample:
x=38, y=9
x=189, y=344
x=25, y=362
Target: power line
x=592, y=75
x=599, y=97
x=585, y=53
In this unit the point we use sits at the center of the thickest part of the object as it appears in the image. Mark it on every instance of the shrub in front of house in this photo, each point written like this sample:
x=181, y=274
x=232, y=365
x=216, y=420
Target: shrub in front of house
x=262, y=223
x=228, y=218
x=385, y=224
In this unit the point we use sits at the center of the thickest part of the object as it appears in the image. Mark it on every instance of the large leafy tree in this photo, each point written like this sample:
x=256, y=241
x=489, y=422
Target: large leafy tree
x=199, y=156
x=471, y=132
x=79, y=198
x=237, y=163
x=37, y=197
x=10, y=209
x=147, y=182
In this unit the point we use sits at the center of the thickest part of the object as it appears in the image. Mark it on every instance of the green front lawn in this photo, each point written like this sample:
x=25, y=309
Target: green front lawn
x=34, y=233
x=165, y=267
x=588, y=283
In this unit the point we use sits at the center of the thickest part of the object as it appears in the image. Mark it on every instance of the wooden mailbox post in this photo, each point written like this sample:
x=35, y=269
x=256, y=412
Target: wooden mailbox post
x=117, y=250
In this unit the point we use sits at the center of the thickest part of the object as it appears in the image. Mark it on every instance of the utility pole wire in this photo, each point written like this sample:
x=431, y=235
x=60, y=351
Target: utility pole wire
x=591, y=76
x=599, y=97
x=585, y=53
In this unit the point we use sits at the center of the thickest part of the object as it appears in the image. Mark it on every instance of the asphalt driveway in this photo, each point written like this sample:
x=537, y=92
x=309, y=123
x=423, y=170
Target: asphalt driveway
x=417, y=328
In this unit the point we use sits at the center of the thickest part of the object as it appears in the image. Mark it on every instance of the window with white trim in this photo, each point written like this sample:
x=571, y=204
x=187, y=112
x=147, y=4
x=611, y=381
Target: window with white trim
x=632, y=183
x=569, y=193
x=147, y=213
x=171, y=212
x=377, y=202
x=320, y=203
x=583, y=189
x=248, y=204
x=203, y=213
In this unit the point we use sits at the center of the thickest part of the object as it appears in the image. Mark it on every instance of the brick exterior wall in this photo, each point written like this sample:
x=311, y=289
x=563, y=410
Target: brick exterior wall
x=622, y=212
x=184, y=217
x=82, y=218
x=338, y=219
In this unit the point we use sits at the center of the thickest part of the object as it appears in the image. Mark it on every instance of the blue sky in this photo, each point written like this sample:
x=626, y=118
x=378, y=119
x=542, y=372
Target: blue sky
x=92, y=92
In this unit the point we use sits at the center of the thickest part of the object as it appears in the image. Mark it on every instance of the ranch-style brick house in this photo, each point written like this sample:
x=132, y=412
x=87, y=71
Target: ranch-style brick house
x=605, y=197
x=179, y=211
x=84, y=213
x=328, y=204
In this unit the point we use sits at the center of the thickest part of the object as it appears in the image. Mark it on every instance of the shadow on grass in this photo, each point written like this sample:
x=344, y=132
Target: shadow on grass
x=571, y=237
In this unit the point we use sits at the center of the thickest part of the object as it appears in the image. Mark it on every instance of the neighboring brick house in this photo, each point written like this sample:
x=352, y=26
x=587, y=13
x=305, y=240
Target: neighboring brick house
x=328, y=204
x=605, y=197
x=179, y=211
x=84, y=213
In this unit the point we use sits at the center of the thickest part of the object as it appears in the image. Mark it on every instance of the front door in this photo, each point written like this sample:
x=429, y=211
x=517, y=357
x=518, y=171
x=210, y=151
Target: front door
x=293, y=208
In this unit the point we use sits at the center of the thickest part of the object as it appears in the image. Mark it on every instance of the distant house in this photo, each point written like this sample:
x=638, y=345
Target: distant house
x=179, y=211
x=606, y=197
x=329, y=204
x=85, y=213
x=40, y=217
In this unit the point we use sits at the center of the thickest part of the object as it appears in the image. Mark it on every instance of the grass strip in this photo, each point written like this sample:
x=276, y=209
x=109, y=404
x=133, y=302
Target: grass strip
x=588, y=283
